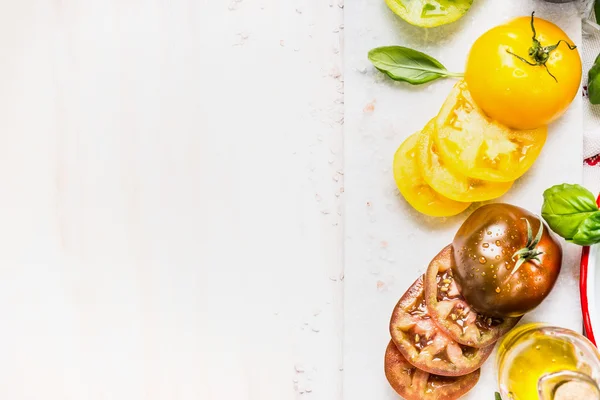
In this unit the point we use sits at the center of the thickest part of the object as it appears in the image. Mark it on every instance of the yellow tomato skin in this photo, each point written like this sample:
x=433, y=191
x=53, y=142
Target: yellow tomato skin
x=514, y=93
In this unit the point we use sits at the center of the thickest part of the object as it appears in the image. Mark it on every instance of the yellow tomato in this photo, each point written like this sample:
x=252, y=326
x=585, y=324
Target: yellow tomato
x=452, y=184
x=414, y=188
x=511, y=90
x=472, y=144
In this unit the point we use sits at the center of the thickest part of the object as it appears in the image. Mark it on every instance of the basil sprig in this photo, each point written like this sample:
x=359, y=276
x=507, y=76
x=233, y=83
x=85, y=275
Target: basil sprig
x=408, y=65
x=593, y=85
x=571, y=212
x=594, y=82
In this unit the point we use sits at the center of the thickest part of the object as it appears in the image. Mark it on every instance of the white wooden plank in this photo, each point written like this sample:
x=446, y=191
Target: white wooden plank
x=170, y=199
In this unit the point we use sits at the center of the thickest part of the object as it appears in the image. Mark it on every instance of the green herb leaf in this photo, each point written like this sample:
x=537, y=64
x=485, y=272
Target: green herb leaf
x=497, y=396
x=597, y=10
x=408, y=65
x=594, y=81
x=588, y=232
x=566, y=207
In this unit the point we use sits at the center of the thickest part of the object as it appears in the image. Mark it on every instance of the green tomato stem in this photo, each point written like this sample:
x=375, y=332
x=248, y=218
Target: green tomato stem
x=540, y=54
x=529, y=252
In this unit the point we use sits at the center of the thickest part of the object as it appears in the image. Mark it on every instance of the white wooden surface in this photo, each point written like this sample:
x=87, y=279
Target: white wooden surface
x=388, y=244
x=170, y=185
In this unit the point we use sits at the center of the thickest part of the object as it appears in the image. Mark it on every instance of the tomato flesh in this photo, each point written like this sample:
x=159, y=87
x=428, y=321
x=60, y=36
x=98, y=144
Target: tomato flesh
x=474, y=145
x=413, y=384
x=424, y=345
x=452, y=184
x=452, y=313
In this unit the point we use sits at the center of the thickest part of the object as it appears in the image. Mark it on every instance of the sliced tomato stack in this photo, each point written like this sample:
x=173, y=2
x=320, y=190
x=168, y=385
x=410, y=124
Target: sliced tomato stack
x=452, y=313
x=438, y=341
x=412, y=383
x=462, y=156
x=421, y=341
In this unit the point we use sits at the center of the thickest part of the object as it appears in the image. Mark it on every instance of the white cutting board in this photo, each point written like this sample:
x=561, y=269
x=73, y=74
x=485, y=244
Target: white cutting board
x=388, y=244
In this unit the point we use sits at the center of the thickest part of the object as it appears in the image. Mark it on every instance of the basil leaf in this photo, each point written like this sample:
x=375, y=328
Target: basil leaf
x=408, y=65
x=594, y=82
x=566, y=207
x=589, y=231
x=597, y=10
x=497, y=396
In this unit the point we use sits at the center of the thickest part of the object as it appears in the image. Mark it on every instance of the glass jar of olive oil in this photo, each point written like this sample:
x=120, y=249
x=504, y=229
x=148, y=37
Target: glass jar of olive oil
x=541, y=362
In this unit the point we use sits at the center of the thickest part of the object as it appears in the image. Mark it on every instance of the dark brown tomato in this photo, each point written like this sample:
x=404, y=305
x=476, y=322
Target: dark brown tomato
x=413, y=384
x=451, y=312
x=486, y=269
x=424, y=345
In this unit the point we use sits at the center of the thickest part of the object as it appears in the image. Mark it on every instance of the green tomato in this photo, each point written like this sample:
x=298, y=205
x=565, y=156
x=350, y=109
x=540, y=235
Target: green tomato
x=429, y=13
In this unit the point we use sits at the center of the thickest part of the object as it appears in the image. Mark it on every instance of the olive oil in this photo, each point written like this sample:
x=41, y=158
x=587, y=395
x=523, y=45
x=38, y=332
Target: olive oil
x=532, y=352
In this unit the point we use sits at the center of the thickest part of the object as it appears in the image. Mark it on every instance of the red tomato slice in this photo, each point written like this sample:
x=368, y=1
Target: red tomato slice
x=424, y=344
x=452, y=313
x=413, y=384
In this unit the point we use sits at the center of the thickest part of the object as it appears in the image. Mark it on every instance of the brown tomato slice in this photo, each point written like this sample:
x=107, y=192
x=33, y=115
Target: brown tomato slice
x=452, y=313
x=413, y=384
x=424, y=344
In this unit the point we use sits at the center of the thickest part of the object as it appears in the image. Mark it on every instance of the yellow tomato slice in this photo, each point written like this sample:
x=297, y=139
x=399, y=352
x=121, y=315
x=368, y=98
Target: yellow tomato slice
x=414, y=188
x=478, y=147
x=429, y=13
x=452, y=184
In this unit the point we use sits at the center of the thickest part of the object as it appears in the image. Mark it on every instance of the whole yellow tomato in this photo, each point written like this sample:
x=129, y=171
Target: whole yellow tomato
x=525, y=73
